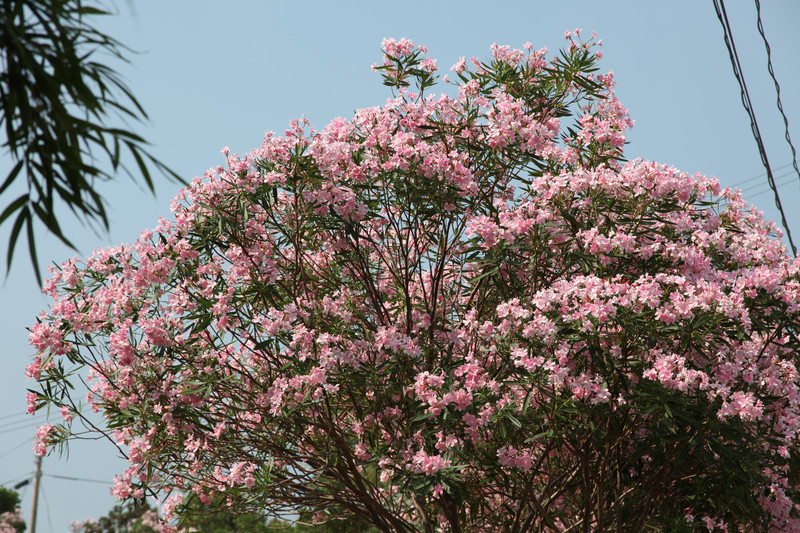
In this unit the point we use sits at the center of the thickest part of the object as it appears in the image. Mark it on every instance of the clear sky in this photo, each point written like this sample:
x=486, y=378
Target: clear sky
x=212, y=74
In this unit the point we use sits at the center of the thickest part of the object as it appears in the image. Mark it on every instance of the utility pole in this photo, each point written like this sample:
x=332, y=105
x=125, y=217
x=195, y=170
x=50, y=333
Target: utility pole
x=36, y=477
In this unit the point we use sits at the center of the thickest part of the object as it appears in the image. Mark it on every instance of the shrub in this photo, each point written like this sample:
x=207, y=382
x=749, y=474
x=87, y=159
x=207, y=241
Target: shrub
x=457, y=313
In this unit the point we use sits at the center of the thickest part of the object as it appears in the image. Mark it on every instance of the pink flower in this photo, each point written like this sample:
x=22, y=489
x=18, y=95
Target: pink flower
x=744, y=405
x=30, y=402
x=422, y=463
x=66, y=414
x=43, y=437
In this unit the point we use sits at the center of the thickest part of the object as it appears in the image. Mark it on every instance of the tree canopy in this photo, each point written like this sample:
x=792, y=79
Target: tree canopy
x=457, y=313
x=138, y=516
x=10, y=518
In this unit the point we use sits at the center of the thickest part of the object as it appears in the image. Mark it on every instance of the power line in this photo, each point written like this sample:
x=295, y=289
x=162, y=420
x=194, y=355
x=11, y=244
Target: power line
x=719, y=6
x=4, y=417
x=757, y=186
x=70, y=478
x=759, y=176
x=28, y=424
x=30, y=418
x=777, y=87
x=17, y=479
x=28, y=440
x=47, y=508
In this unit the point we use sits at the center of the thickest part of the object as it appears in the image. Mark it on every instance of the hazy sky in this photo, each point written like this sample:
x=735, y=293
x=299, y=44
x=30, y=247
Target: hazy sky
x=212, y=74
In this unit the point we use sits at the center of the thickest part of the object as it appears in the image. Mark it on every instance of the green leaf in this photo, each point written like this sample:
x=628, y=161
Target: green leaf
x=56, y=101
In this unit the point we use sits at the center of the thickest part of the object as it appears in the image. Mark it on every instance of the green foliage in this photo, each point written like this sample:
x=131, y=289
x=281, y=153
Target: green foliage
x=305, y=524
x=137, y=516
x=217, y=519
x=10, y=520
x=9, y=500
x=55, y=101
x=134, y=516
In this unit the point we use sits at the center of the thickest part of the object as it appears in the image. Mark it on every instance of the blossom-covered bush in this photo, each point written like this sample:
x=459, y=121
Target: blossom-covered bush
x=12, y=522
x=450, y=313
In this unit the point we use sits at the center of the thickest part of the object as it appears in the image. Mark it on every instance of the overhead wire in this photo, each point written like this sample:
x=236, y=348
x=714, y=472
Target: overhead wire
x=14, y=415
x=71, y=478
x=719, y=6
x=28, y=440
x=759, y=176
x=759, y=189
x=26, y=424
x=47, y=507
x=28, y=418
x=18, y=479
x=777, y=88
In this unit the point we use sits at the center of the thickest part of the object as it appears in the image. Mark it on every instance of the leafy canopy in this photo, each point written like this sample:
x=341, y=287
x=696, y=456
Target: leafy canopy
x=450, y=313
x=56, y=99
x=11, y=520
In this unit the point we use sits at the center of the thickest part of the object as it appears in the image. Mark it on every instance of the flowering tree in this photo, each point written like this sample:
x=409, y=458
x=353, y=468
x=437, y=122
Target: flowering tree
x=451, y=313
x=11, y=520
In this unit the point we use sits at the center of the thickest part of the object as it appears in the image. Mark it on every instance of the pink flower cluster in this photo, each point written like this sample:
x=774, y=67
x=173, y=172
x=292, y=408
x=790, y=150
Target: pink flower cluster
x=11, y=521
x=43, y=436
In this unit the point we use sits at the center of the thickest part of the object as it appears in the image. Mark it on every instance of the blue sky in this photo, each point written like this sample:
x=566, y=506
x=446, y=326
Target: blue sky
x=213, y=75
